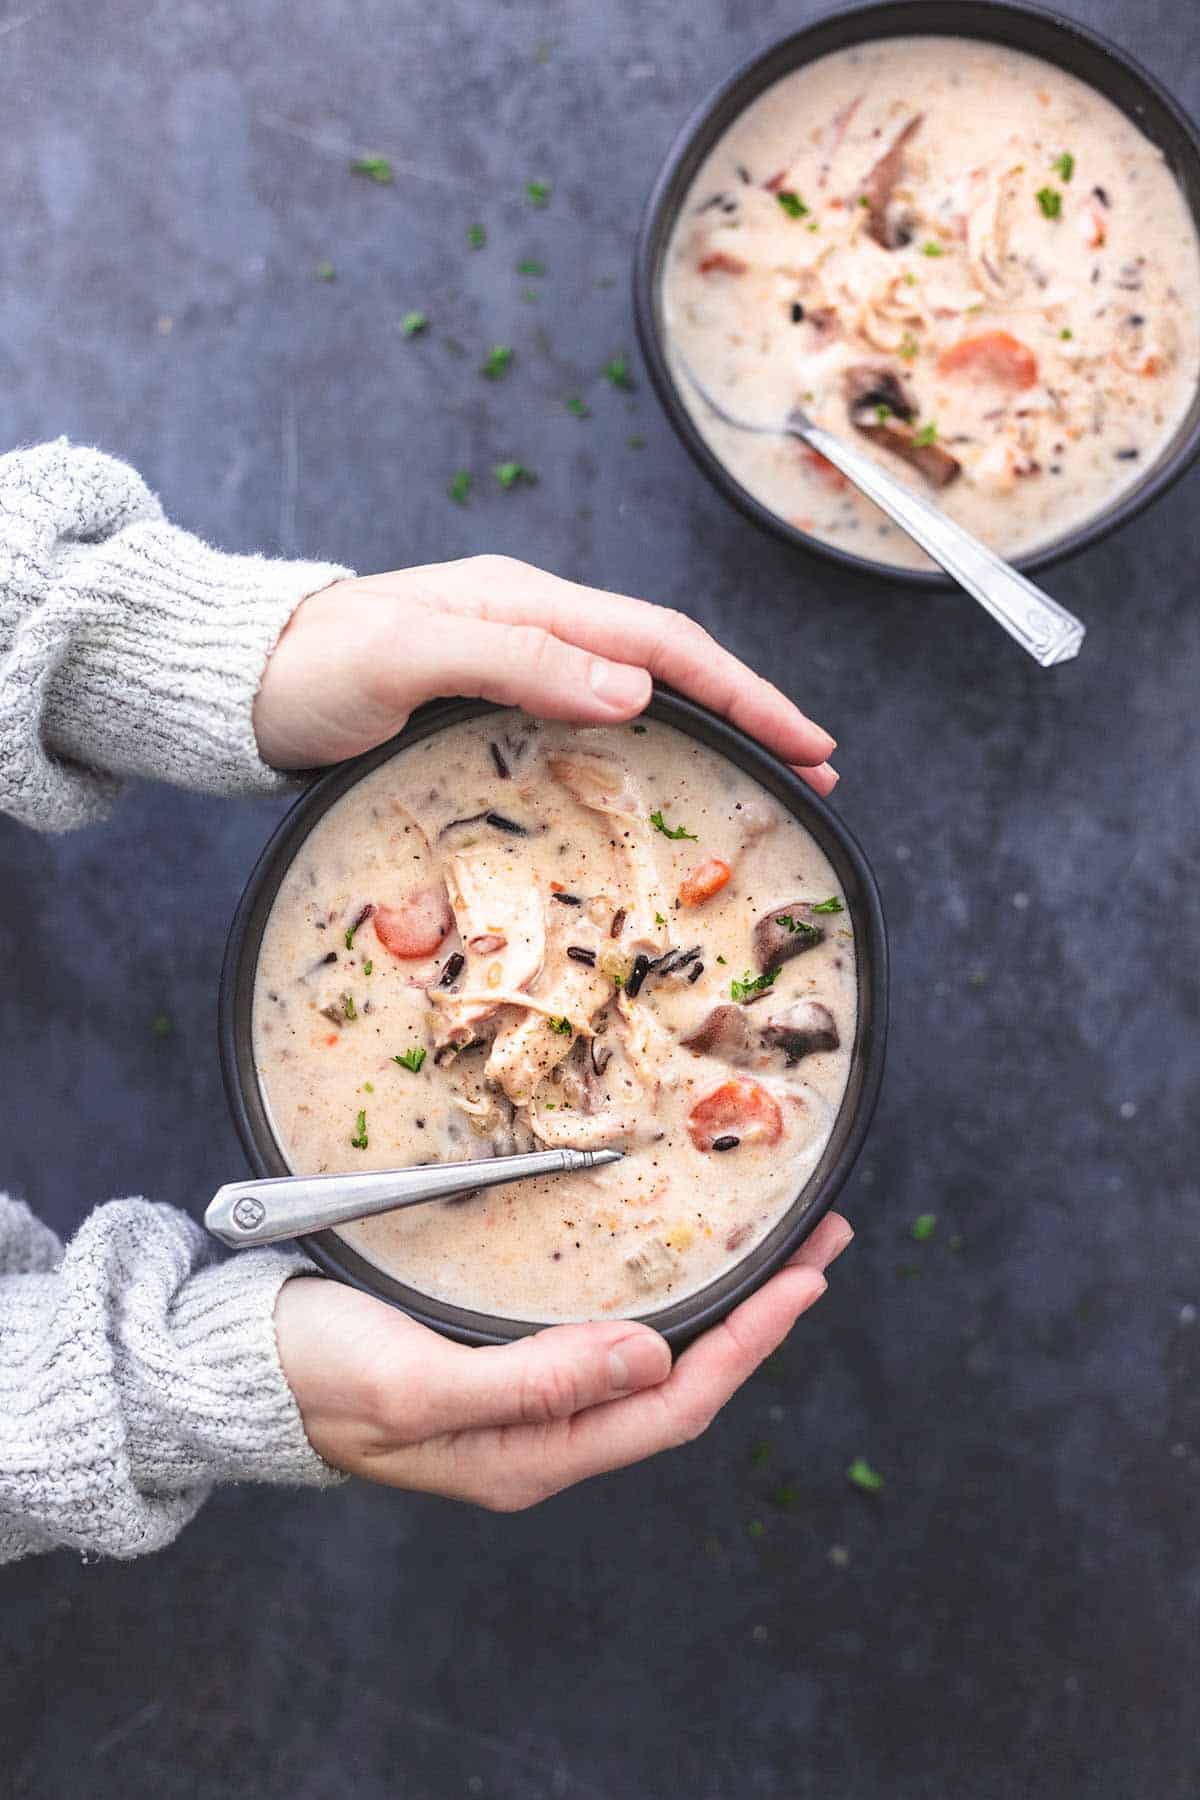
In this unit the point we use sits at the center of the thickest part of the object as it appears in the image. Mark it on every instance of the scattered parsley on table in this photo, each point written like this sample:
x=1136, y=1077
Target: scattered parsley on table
x=375, y=168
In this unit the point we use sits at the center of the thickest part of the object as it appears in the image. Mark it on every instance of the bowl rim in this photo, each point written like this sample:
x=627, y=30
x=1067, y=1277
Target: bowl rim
x=999, y=21
x=686, y=1318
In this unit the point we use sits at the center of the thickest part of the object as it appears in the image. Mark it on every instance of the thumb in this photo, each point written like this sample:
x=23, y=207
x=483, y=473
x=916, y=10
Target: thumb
x=526, y=666
x=539, y=1379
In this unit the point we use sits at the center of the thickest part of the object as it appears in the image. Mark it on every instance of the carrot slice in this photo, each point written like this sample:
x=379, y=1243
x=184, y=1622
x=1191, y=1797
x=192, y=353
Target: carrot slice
x=705, y=880
x=821, y=465
x=992, y=356
x=417, y=926
x=720, y=260
x=742, y=1109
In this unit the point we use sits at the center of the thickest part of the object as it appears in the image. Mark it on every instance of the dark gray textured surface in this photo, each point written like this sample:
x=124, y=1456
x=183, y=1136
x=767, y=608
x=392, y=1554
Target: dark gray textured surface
x=1016, y=1615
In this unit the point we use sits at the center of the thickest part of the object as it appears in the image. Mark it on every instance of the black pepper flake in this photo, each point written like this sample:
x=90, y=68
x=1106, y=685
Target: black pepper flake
x=500, y=823
x=726, y=1143
x=1101, y=194
x=797, y=313
x=567, y=899
x=696, y=973
x=502, y=768
x=332, y=957
x=1129, y=455
x=578, y=953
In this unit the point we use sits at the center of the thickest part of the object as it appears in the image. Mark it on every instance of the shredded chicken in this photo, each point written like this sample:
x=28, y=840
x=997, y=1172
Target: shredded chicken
x=605, y=786
x=500, y=919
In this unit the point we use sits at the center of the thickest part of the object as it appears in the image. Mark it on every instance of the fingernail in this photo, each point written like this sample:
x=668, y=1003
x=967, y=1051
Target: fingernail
x=636, y=1362
x=840, y=1243
x=831, y=775
x=618, y=685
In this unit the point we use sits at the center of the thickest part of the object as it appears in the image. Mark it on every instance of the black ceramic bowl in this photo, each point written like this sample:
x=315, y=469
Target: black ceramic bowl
x=1056, y=40
x=687, y=1317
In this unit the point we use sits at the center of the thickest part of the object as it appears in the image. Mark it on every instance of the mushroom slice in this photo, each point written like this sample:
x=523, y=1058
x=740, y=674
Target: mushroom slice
x=890, y=225
x=881, y=410
x=785, y=931
x=802, y=1029
x=725, y=1033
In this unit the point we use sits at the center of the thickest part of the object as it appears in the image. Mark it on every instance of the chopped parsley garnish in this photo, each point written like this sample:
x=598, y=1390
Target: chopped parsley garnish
x=1050, y=201
x=325, y=271
x=579, y=407
x=909, y=346
x=350, y=931
x=926, y=435
x=375, y=168
x=924, y=1226
x=1066, y=334
x=349, y=1010
x=617, y=372
x=530, y=267
x=864, y=200
x=510, y=473
x=658, y=919
x=750, y=985
x=932, y=248
x=883, y=412
x=162, y=1025
x=414, y=322
x=833, y=904
x=1064, y=165
x=412, y=1060
x=529, y=296
x=797, y=927
x=359, y=1140
x=910, y=279
x=814, y=225
x=860, y=1474
x=791, y=203
x=496, y=362
x=368, y=1087
x=678, y=831
x=563, y=1027
x=460, y=486
x=756, y=1528
x=636, y=441
x=538, y=193
x=720, y=959
x=476, y=236
x=368, y=966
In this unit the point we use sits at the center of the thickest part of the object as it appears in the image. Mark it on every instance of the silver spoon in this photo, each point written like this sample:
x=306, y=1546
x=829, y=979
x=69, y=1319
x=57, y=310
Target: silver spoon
x=285, y=1206
x=1039, y=624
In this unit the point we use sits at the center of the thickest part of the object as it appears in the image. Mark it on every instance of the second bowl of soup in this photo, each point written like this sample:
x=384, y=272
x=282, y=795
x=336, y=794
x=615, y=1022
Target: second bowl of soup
x=982, y=269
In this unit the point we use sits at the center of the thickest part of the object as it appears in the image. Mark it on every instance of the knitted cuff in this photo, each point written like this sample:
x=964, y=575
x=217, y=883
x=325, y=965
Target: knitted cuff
x=231, y=1414
x=168, y=646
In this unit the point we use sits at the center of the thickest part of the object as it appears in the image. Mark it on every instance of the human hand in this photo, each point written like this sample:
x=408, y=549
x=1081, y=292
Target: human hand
x=388, y=1399
x=355, y=659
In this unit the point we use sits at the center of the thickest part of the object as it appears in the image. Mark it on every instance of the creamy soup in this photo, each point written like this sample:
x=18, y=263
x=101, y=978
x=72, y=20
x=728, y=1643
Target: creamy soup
x=963, y=259
x=515, y=935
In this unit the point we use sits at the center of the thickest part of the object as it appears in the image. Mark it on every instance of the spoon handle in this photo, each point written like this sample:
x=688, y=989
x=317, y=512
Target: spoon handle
x=262, y=1212
x=1039, y=624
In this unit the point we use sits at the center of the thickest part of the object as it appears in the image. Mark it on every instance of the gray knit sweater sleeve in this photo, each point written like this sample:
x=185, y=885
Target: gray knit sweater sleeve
x=136, y=1370
x=127, y=646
